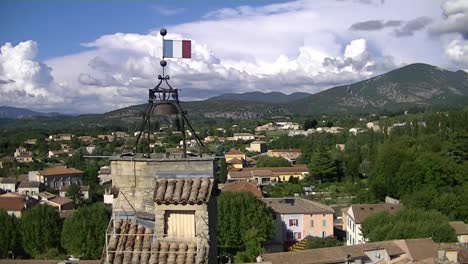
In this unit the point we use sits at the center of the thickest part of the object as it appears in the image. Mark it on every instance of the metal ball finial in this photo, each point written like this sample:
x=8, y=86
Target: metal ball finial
x=163, y=63
x=163, y=32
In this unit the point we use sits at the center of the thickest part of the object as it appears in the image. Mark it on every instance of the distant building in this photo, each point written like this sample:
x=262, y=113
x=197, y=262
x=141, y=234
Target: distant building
x=59, y=177
x=30, y=141
x=421, y=250
x=235, y=159
x=290, y=154
x=374, y=126
x=61, y=203
x=13, y=203
x=296, y=218
x=59, y=153
x=104, y=174
x=293, y=133
x=90, y=149
x=243, y=136
x=8, y=184
x=340, y=147
x=84, y=191
x=60, y=137
x=23, y=156
x=30, y=188
x=257, y=146
x=357, y=213
x=357, y=130
x=267, y=175
x=461, y=230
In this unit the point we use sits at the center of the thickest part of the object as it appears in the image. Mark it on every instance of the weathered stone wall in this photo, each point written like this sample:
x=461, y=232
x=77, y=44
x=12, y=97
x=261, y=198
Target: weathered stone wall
x=135, y=178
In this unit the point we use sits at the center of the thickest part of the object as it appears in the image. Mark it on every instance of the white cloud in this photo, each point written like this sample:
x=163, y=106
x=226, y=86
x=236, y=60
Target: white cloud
x=456, y=18
x=457, y=51
x=26, y=82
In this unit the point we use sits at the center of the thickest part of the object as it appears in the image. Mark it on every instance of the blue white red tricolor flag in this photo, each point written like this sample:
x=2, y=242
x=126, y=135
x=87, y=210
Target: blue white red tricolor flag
x=177, y=49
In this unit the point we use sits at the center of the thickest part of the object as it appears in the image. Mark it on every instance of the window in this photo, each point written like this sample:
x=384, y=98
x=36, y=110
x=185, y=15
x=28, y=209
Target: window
x=324, y=234
x=297, y=235
x=274, y=216
x=180, y=223
x=293, y=222
x=311, y=223
x=324, y=223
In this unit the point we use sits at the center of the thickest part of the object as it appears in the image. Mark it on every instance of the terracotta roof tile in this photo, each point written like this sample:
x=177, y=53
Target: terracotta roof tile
x=332, y=254
x=29, y=184
x=12, y=203
x=234, y=152
x=135, y=244
x=243, y=186
x=183, y=191
x=60, y=200
x=59, y=171
x=294, y=205
x=8, y=180
x=459, y=227
x=362, y=211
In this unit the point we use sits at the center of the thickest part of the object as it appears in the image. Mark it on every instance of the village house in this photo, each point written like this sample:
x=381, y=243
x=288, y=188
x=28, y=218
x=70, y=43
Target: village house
x=356, y=130
x=290, y=154
x=421, y=250
x=59, y=153
x=243, y=136
x=90, y=149
x=44, y=197
x=84, y=191
x=357, y=213
x=295, y=218
x=293, y=133
x=32, y=141
x=461, y=230
x=6, y=161
x=87, y=139
x=257, y=146
x=30, y=188
x=60, y=203
x=108, y=137
x=235, y=159
x=169, y=204
x=60, y=137
x=13, y=203
x=22, y=155
x=120, y=134
x=266, y=127
x=59, y=176
x=374, y=126
x=104, y=174
x=287, y=125
x=8, y=184
x=268, y=175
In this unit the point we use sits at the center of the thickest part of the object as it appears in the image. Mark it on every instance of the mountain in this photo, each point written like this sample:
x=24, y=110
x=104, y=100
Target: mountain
x=21, y=113
x=414, y=86
x=272, y=97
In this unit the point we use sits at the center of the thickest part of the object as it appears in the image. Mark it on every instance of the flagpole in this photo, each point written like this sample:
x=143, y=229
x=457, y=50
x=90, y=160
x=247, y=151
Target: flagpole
x=163, y=62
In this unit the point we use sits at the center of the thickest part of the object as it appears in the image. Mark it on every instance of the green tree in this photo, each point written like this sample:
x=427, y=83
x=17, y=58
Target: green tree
x=40, y=230
x=73, y=192
x=318, y=242
x=244, y=224
x=83, y=233
x=222, y=172
x=265, y=161
x=408, y=223
x=9, y=236
x=322, y=166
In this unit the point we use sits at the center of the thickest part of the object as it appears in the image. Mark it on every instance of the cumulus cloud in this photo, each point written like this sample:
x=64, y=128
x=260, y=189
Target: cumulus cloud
x=375, y=24
x=457, y=51
x=455, y=18
x=410, y=27
x=24, y=81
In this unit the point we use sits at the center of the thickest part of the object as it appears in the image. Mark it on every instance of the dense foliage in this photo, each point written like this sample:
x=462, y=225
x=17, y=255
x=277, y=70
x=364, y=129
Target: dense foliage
x=83, y=233
x=318, y=242
x=40, y=230
x=9, y=235
x=408, y=223
x=265, y=161
x=244, y=223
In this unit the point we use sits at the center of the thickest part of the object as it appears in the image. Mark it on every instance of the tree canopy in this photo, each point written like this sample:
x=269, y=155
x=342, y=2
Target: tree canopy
x=9, y=235
x=408, y=223
x=244, y=224
x=265, y=161
x=83, y=233
x=40, y=229
x=322, y=166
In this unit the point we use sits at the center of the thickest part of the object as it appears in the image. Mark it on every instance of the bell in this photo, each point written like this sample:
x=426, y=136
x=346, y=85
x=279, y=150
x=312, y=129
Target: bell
x=165, y=109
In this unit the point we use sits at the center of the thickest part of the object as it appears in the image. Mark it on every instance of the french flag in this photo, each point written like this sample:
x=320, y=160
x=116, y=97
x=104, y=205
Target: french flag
x=177, y=49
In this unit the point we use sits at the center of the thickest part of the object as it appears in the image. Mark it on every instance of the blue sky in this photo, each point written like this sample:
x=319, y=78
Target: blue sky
x=97, y=56
x=60, y=26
